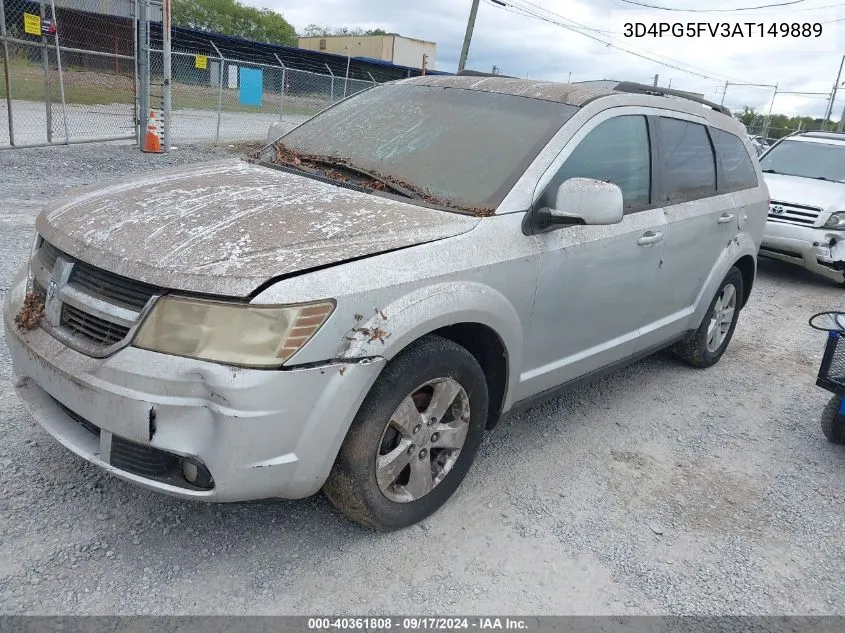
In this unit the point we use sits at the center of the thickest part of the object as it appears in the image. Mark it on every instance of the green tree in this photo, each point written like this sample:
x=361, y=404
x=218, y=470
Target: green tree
x=230, y=17
x=315, y=30
x=779, y=124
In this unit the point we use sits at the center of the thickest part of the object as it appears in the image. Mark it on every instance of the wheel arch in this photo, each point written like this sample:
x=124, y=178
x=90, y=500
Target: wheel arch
x=748, y=267
x=489, y=350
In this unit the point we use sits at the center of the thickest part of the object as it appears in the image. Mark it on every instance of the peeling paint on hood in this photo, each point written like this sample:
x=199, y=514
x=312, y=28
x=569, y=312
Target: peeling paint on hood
x=228, y=226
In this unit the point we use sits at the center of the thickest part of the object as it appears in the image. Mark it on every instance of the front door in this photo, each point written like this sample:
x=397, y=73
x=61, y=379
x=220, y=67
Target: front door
x=596, y=282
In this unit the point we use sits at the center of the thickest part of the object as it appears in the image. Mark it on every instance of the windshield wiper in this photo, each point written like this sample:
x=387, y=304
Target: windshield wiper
x=770, y=171
x=306, y=162
x=341, y=163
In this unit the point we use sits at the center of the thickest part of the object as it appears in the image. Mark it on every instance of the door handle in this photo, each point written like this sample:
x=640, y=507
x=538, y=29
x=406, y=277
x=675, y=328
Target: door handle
x=650, y=237
x=725, y=218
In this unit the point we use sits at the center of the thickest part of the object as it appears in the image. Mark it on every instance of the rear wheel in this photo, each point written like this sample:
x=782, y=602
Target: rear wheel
x=414, y=438
x=833, y=423
x=706, y=346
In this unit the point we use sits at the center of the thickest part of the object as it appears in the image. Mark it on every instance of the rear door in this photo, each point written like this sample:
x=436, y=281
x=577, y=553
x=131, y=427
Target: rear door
x=694, y=184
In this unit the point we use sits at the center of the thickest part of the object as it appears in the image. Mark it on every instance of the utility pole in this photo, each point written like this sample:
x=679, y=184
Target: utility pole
x=656, y=77
x=829, y=111
x=724, y=92
x=841, y=126
x=473, y=12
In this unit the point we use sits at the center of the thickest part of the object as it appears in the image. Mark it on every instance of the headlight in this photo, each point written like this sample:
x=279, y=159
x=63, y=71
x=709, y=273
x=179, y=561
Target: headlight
x=231, y=333
x=836, y=221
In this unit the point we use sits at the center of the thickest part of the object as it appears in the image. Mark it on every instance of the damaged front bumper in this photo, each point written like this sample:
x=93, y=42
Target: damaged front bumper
x=821, y=251
x=160, y=421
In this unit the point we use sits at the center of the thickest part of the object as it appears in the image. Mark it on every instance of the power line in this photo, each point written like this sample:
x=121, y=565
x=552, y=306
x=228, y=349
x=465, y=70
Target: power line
x=762, y=6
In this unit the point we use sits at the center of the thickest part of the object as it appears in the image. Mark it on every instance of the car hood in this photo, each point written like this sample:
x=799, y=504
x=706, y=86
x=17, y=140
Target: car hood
x=828, y=196
x=228, y=226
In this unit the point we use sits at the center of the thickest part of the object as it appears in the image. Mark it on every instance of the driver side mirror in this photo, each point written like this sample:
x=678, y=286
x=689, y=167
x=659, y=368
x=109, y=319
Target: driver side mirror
x=582, y=201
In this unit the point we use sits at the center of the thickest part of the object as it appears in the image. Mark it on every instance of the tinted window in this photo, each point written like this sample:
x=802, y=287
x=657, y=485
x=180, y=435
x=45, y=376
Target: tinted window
x=465, y=147
x=737, y=168
x=688, y=167
x=616, y=151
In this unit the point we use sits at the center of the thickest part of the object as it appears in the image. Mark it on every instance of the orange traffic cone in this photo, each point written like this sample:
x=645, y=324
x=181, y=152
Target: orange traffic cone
x=152, y=141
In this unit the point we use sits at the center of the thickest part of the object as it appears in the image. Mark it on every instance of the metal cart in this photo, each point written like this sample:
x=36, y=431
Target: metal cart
x=832, y=373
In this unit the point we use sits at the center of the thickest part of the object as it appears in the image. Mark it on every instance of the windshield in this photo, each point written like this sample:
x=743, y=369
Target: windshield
x=454, y=147
x=824, y=161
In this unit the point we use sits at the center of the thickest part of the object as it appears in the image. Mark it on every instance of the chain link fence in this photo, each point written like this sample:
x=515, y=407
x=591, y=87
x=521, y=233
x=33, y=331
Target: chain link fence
x=227, y=100
x=67, y=72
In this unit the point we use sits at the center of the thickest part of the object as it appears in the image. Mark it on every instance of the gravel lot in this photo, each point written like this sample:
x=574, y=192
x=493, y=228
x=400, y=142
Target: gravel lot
x=661, y=489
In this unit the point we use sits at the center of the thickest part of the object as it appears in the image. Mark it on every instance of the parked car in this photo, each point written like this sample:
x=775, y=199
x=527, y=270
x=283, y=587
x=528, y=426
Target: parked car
x=805, y=174
x=351, y=310
x=756, y=144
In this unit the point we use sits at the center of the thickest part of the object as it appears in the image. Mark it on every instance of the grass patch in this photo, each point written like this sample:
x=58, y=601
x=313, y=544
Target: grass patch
x=98, y=88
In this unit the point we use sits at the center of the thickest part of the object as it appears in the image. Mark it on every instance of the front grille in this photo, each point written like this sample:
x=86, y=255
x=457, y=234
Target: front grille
x=48, y=255
x=91, y=328
x=121, y=290
x=96, y=287
x=789, y=213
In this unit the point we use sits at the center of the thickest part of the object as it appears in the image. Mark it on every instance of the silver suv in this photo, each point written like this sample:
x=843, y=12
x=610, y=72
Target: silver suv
x=350, y=310
x=805, y=174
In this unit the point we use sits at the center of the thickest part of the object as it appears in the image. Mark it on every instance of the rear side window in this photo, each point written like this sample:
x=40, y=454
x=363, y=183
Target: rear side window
x=687, y=162
x=617, y=151
x=737, y=169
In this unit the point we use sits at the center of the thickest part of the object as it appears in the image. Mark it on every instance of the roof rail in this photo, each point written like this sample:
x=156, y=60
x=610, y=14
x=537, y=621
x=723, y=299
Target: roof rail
x=636, y=88
x=478, y=73
x=834, y=136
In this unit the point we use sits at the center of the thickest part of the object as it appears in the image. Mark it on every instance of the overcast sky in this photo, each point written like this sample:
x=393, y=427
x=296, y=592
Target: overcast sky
x=525, y=46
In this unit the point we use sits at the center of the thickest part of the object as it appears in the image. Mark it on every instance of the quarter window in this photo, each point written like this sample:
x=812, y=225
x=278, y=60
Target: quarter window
x=617, y=151
x=737, y=169
x=687, y=163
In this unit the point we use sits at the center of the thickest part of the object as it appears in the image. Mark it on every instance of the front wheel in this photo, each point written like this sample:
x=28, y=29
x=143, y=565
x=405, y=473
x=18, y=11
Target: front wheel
x=414, y=438
x=833, y=422
x=706, y=346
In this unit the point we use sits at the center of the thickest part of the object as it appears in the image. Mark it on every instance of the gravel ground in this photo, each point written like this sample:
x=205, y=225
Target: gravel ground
x=661, y=489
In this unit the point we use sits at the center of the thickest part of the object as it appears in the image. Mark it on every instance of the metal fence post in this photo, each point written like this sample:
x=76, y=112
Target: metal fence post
x=6, y=72
x=61, y=76
x=284, y=82
x=220, y=69
x=331, y=95
x=143, y=68
x=45, y=56
x=165, y=48
x=371, y=77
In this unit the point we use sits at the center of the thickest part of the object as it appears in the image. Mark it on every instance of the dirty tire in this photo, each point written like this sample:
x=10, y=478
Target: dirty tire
x=833, y=424
x=352, y=486
x=693, y=350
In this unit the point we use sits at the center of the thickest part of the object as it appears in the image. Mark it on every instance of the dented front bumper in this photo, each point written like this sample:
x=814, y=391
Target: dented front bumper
x=261, y=434
x=821, y=251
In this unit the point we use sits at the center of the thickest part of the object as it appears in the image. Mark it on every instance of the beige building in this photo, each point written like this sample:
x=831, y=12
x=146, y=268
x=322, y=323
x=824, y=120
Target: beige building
x=402, y=51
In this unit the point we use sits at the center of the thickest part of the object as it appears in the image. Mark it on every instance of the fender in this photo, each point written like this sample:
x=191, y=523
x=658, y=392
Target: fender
x=738, y=247
x=400, y=323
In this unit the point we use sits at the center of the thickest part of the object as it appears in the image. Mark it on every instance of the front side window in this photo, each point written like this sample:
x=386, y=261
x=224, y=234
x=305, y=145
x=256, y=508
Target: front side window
x=617, y=151
x=687, y=163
